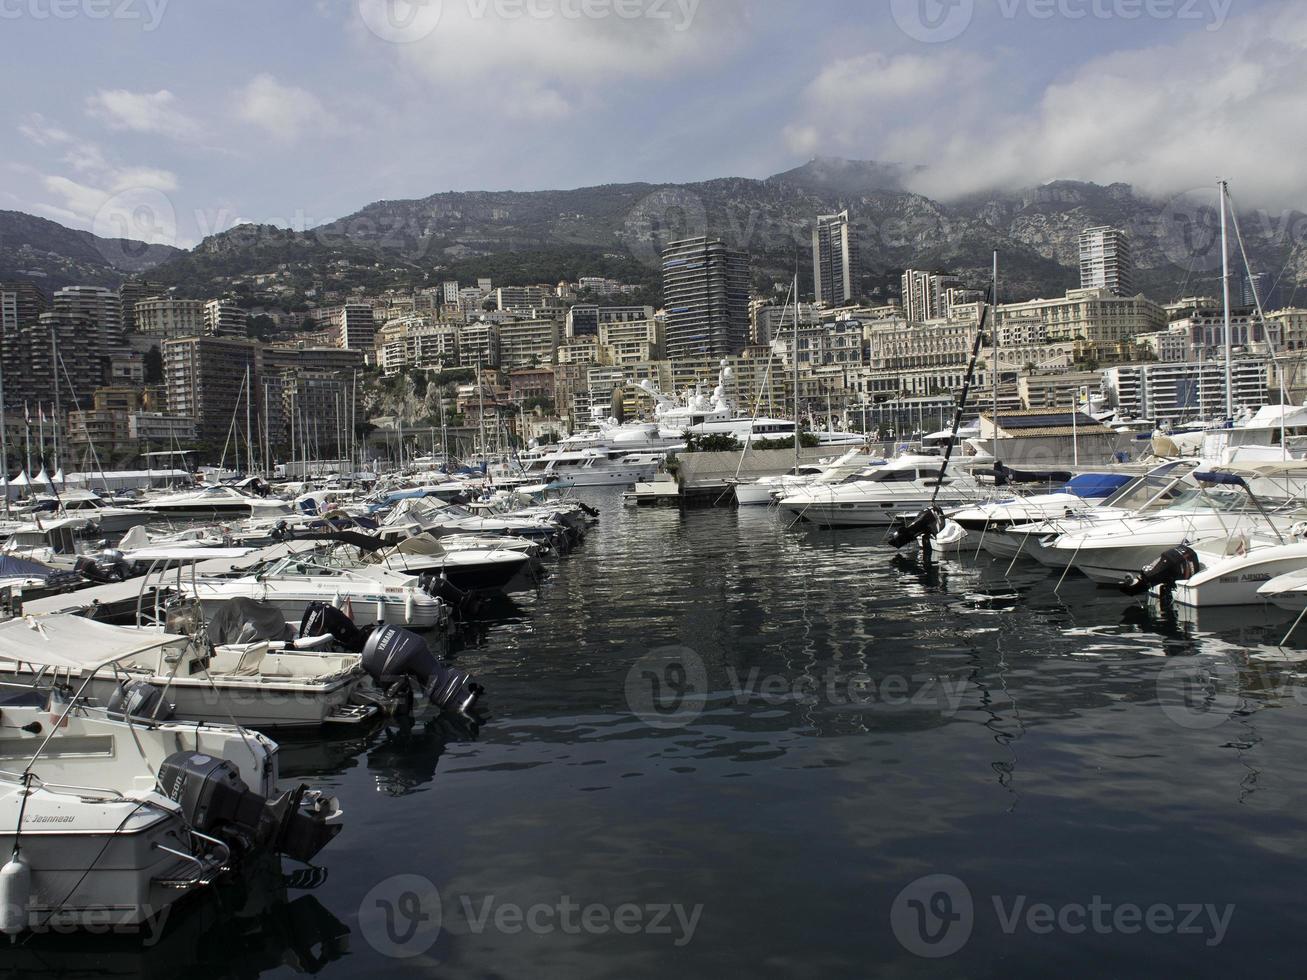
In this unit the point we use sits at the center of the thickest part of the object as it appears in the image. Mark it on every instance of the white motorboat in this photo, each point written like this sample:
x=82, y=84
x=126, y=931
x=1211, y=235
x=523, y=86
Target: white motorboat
x=1082, y=491
x=1287, y=591
x=50, y=541
x=305, y=576
x=110, y=819
x=766, y=489
x=105, y=518
x=883, y=495
x=216, y=502
x=1112, y=550
x=1156, y=489
x=1232, y=570
x=468, y=569
x=592, y=468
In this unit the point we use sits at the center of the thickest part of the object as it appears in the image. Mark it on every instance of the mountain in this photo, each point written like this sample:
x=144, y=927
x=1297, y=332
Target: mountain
x=56, y=256
x=617, y=230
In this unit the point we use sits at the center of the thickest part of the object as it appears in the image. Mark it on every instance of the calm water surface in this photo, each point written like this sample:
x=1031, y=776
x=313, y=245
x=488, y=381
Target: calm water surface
x=719, y=747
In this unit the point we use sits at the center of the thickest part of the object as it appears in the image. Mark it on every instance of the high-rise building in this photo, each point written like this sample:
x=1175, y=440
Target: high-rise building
x=926, y=295
x=1105, y=261
x=21, y=306
x=1266, y=290
x=834, y=259
x=100, y=306
x=168, y=317
x=205, y=377
x=224, y=319
x=706, y=295
x=132, y=292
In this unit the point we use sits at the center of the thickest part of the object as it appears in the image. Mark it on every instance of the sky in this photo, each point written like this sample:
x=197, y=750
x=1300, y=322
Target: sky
x=168, y=120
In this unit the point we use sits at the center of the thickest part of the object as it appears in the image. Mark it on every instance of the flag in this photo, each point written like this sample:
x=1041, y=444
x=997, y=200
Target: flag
x=27, y=413
x=41, y=411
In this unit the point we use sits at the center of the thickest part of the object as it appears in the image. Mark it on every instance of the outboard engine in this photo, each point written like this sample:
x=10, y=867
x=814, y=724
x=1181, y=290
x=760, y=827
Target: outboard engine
x=321, y=618
x=467, y=603
x=106, y=567
x=217, y=802
x=392, y=655
x=281, y=533
x=140, y=700
x=1170, y=567
x=929, y=522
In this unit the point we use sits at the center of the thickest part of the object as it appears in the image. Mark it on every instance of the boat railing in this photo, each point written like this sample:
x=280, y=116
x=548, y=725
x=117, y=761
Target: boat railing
x=62, y=789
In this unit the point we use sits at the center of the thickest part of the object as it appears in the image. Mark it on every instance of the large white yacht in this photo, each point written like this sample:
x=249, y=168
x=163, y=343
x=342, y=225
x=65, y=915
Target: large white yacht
x=882, y=495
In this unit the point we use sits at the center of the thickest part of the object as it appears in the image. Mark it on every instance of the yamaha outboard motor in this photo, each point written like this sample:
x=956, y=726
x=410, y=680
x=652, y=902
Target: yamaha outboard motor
x=321, y=618
x=392, y=655
x=929, y=522
x=217, y=802
x=1170, y=567
x=140, y=700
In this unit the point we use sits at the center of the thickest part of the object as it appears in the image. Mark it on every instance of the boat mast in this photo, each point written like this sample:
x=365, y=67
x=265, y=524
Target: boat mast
x=1225, y=286
x=249, y=423
x=797, y=439
x=994, y=328
x=4, y=442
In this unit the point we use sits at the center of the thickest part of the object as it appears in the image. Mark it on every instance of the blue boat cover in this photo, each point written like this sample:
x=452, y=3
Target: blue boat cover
x=1095, y=486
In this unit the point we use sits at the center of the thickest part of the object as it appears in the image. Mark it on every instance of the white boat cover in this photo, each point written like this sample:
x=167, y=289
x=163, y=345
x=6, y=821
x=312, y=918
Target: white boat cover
x=73, y=642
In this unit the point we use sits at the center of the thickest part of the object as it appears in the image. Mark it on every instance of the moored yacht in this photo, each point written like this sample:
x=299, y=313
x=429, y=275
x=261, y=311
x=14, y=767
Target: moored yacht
x=883, y=495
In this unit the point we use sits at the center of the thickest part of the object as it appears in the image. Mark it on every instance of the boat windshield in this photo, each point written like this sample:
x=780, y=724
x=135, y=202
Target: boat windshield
x=1195, y=500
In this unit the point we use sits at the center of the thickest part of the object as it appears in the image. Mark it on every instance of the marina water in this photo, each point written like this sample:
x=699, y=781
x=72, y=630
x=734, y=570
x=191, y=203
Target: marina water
x=721, y=747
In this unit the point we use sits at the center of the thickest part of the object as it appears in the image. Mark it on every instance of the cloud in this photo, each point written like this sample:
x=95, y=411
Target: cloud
x=111, y=199
x=141, y=112
x=549, y=59
x=284, y=112
x=1164, y=118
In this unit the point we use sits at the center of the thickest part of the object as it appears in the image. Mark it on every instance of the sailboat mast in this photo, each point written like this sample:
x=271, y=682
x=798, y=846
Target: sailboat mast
x=1225, y=288
x=4, y=443
x=797, y=439
x=994, y=358
x=249, y=423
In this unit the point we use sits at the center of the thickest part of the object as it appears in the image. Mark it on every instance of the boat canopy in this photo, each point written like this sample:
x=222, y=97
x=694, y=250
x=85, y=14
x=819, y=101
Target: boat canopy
x=74, y=642
x=1096, y=486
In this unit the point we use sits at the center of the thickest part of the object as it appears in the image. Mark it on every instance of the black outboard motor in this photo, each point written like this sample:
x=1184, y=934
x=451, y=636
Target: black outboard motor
x=140, y=700
x=104, y=568
x=467, y=603
x=281, y=532
x=216, y=801
x=321, y=618
x=929, y=522
x=1170, y=567
x=392, y=655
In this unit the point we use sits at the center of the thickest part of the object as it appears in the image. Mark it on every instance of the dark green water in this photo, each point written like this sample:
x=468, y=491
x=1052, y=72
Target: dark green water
x=721, y=748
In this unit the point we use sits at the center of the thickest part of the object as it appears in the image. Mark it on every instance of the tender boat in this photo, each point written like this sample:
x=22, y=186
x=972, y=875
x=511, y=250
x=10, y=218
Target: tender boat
x=112, y=818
